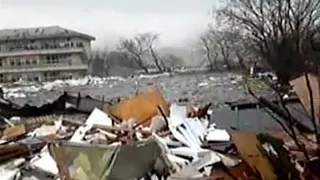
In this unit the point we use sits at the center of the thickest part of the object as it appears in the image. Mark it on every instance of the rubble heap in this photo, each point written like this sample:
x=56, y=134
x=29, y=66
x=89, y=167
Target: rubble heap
x=145, y=137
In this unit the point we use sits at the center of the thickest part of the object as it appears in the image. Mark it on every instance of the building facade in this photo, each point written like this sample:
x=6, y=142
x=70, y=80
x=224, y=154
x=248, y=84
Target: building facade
x=43, y=54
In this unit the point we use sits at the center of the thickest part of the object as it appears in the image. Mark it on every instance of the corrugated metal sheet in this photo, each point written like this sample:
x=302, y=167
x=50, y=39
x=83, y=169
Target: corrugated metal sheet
x=40, y=32
x=86, y=104
x=34, y=122
x=298, y=111
x=256, y=120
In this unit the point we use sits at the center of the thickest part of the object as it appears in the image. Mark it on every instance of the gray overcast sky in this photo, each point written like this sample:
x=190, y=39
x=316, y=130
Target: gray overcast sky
x=177, y=21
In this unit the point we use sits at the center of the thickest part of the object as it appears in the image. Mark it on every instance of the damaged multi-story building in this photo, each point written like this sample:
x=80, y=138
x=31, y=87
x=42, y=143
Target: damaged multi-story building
x=43, y=54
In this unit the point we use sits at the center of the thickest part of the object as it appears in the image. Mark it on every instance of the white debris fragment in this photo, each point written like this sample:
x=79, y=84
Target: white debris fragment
x=157, y=123
x=97, y=117
x=171, y=142
x=203, y=84
x=286, y=96
x=10, y=170
x=185, y=152
x=45, y=162
x=178, y=160
x=205, y=158
x=227, y=161
x=44, y=130
x=30, y=87
x=15, y=95
x=213, y=79
x=217, y=135
x=148, y=76
x=15, y=119
x=187, y=172
x=234, y=82
x=10, y=174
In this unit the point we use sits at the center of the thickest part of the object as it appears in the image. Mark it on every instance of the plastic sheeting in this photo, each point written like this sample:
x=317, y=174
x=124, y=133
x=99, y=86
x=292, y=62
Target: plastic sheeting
x=79, y=161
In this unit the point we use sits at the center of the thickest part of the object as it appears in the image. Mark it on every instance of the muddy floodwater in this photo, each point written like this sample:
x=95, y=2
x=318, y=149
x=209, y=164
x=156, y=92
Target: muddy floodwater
x=199, y=88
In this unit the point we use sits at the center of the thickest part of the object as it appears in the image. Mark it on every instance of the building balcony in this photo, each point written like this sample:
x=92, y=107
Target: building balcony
x=42, y=52
x=43, y=68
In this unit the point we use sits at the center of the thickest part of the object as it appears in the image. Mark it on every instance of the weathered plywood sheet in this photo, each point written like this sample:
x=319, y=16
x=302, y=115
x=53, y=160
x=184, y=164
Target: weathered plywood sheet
x=12, y=132
x=141, y=108
x=301, y=89
x=247, y=145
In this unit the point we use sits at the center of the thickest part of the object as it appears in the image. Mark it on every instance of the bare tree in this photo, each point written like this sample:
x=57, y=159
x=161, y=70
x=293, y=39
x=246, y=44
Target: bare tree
x=221, y=45
x=140, y=47
x=135, y=49
x=279, y=30
x=209, y=49
x=149, y=39
x=225, y=46
x=170, y=62
x=98, y=62
x=283, y=33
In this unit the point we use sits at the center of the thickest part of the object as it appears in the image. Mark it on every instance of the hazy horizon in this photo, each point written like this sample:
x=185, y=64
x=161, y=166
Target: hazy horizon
x=178, y=22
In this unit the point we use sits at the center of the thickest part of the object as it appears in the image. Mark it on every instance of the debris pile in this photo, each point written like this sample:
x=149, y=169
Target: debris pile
x=19, y=89
x=143, y=137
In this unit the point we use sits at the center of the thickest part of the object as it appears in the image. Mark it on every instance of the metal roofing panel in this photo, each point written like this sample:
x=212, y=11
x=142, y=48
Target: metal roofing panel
x=40, y=32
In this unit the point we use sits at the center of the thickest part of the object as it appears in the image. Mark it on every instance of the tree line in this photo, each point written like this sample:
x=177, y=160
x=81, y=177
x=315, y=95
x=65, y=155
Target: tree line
x=138, y=52
x=283, y=34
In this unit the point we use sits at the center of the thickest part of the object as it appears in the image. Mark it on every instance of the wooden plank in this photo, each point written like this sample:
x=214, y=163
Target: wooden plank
x=247, y=145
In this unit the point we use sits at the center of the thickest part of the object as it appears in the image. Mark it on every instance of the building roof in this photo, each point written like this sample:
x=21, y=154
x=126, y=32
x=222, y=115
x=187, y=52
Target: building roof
x=40, y=32
x=250, y=103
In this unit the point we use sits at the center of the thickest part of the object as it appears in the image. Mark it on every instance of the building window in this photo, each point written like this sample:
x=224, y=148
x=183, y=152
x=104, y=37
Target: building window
x=71, y=44
x=48, y=59
x=79, y=44
x=1, y=78
x=27, y=62
x=12, y=62
x=0, y=62
x=34, y=61
x=18, y=62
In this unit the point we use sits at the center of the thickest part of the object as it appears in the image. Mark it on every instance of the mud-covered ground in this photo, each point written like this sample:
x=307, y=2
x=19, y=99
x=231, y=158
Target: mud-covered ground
x=199, y=88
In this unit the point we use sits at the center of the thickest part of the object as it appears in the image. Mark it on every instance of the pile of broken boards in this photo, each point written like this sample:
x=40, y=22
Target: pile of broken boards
x=139, y=138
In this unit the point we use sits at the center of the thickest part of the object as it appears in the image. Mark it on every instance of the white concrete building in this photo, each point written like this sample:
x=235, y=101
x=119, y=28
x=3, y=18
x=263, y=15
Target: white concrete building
x=43, y=53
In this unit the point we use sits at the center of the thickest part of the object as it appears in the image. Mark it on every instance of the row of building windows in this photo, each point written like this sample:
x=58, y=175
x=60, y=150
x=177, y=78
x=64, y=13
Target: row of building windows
x=19, y=62
x=56, y=59
x=50, y=59
x=44, y=45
